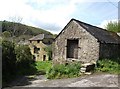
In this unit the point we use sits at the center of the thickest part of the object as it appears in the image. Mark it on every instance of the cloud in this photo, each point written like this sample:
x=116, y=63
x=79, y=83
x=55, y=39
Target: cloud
x=51, y=15
x=105, y=22
x=59, y=14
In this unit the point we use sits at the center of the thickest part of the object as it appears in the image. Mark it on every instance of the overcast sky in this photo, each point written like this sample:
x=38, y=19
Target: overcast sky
x=53, y=15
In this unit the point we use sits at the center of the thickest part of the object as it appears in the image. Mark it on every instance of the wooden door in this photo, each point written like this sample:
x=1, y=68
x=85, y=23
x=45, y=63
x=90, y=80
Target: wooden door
x=72, y=49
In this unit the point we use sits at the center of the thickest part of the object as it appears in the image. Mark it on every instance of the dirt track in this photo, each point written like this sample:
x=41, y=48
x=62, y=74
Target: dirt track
x=95, y=80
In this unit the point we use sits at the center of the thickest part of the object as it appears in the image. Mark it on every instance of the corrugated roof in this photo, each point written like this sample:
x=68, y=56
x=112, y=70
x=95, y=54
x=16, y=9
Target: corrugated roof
x=41, y=37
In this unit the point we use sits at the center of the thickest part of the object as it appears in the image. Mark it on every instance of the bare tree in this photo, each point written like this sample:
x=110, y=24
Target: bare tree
x=15, y=19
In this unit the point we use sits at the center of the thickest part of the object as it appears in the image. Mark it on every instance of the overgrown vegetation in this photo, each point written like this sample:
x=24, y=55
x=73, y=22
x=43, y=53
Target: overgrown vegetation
x=6, y=34
x=48, y=49
x=64, y=71
x=43, y=66
x=113, y=26
x=16, y=60
x=109, y=66
x=25, y=63
x=8, y=61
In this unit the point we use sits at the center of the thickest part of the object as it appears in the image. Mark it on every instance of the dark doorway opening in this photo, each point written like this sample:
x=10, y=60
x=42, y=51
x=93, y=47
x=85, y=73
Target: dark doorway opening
x=44, y=57
x=72, y=48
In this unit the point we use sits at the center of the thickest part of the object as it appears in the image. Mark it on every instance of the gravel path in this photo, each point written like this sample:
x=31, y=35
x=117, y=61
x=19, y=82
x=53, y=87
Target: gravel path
x=95, y=80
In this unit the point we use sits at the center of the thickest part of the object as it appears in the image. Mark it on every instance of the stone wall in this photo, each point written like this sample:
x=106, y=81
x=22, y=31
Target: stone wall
x=88, y=47
x=41, y=52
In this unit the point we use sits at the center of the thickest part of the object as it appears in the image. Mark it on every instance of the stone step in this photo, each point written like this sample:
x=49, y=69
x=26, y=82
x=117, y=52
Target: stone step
x=87, y=68
x=83, y=70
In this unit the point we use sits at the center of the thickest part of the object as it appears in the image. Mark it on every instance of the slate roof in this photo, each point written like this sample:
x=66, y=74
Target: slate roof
x=101, y=34
x=40, y=37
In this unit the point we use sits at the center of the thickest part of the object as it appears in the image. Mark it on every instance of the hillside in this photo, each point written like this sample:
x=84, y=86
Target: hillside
x=20, y=31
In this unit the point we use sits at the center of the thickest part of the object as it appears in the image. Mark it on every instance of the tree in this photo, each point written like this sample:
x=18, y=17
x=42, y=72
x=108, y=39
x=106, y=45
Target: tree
x=8, y=60
x=23, y=53
x=113, y=26
x=25, y=62
x=6, y=34
x=48, y=49
x=16, y=20
x=16, y=60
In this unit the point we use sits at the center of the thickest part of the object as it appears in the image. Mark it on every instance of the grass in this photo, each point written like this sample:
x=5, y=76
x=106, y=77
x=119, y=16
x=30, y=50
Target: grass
x=43, y=66
x=108, y=66
x=73, y=69
x=64, y=71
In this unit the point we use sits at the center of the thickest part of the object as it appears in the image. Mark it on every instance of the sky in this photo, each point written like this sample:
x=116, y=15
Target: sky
x=53, y=15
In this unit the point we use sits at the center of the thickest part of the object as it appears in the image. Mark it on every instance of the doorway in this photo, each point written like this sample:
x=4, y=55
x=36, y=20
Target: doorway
x=44, y=57
x=72, y=48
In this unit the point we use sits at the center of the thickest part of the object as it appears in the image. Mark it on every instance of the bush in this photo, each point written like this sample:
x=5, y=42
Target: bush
x=8, y=61
x=43, y=66
x=64, y=71
x=6, y=34
x=25, y=63
x=48, y=49
x=16, y=60
x=107, y=65
x=113, y=26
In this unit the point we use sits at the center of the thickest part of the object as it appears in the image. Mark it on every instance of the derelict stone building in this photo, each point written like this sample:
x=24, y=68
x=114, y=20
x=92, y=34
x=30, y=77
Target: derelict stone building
x=38, y=44
x=86, y=43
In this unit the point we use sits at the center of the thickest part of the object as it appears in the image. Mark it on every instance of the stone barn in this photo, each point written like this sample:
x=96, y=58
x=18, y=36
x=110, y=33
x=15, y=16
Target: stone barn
x=79, y=41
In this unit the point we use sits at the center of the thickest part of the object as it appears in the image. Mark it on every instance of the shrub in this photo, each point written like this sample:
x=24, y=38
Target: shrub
x=43, y=66
x=107, y=65
x=64, y=71
x=15, y=60
x=25, y=63
x=113, y=26
x=6, y=34
x=8, y=61
x=48, y=49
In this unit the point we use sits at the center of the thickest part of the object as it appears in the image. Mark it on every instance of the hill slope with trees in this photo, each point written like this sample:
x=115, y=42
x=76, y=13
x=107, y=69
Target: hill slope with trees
x=18, y=31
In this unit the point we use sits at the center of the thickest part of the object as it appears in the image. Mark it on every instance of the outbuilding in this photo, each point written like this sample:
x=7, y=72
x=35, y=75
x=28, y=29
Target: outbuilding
x=79, y=41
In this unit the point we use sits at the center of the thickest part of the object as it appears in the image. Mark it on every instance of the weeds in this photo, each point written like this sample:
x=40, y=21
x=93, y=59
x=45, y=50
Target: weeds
x=64, y=71
x=107, y=65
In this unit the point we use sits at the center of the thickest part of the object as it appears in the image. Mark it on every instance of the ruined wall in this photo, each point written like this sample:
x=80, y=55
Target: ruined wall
x=88, y=47
x=41, y=52
x=109, y=50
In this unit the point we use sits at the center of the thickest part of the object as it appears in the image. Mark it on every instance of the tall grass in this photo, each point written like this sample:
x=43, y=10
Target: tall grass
x=109, y=66
x=43, y=66
x=64, y=71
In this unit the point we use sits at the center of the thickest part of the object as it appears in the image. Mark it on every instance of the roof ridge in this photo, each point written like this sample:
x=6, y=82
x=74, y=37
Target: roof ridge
x=40, y=36
x=110, y=34
x=99, y=33
x=91, y=25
